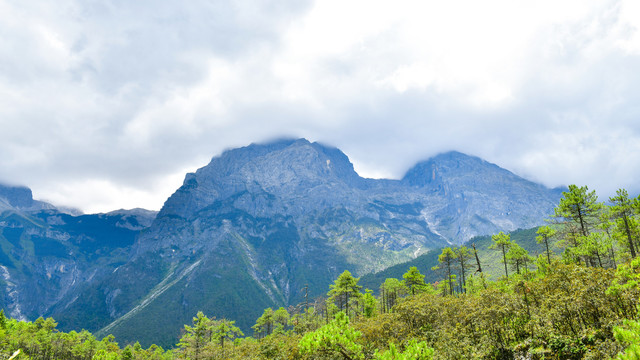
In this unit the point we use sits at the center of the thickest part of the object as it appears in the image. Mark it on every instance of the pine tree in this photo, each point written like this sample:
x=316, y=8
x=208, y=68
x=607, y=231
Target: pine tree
x=414, y=280
x=3, y=320
x=518, y=257
x=337, y=337
x=502, y=241
x=194, y=341
x=446, y=258
x=463, y=256
x=545, y=234
x=390, y=290
x=222, y=330
x=369, y=303
x=578, y=212
x=280, y=319
x=622, y=210
x=344, y=292
x=264, y=324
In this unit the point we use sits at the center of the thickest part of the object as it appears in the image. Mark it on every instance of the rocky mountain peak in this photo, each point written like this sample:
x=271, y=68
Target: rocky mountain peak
x=283, y=167
x=455, y=166
x=281, y=158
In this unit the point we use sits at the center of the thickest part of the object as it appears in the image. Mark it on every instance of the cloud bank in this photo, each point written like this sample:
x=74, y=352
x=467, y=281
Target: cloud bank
x=106, y=104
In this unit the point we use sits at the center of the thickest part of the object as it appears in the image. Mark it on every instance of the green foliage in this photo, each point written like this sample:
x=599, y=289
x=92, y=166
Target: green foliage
x=629, y=333
x=207, y=337
x=370, y=303
x=567, y=312
x=625, y=286
x=414, y=280
x=3, y=320
x=345, y=293
x=308, y=320
x=264, y=324
x=627, y=230
x=567, y=306
x=463, y=263
x=41, y=340
x=492, y=266
x=518, y=258
x=414, y=351
x=196, y=342
x=390, y=291
x=225, y=330
x=446, y=260
x=579, y=207
x=502, y=241
x=475, y=283
x=578, y=215
x=337, y=337
x=627, y=277
x=545, y=234
x=272, y=322
x=423, y=262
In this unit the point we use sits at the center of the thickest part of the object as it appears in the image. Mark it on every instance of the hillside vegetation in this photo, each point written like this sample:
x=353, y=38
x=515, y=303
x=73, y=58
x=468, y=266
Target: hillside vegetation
x=491, y=261
x=578, y=303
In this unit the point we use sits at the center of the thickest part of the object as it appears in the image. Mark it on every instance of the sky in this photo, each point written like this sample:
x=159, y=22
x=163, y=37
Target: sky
x=107, y=104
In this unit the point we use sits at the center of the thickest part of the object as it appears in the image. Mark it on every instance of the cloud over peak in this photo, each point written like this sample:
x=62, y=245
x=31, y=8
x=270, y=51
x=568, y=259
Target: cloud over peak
x=105, y=104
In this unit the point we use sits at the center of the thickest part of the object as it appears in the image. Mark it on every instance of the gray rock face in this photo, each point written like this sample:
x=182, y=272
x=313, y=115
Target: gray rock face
x=481, y=197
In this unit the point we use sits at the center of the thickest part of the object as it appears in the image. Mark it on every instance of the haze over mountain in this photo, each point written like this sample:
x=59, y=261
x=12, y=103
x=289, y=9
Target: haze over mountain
x=246, y=232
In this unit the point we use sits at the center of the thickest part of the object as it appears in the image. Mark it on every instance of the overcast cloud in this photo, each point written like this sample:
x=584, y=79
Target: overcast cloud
x=107, y=104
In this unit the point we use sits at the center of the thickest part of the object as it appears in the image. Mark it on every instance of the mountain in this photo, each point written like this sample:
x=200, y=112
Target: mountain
x=46, y=253
x=479, y=197
x=254, y=226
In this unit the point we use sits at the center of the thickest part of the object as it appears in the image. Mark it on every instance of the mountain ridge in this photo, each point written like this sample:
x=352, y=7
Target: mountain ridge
x=249, y=229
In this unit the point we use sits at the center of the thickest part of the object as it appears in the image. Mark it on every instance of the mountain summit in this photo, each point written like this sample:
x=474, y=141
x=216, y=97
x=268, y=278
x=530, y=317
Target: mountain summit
x=253, y=227
x=286, y=169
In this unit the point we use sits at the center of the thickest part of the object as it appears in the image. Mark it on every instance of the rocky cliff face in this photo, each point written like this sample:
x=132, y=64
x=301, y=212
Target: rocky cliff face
x=479, y=197
x=256, y=224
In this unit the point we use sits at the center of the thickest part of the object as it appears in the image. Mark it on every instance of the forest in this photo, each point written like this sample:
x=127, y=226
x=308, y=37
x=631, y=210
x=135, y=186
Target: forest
x=578, y=303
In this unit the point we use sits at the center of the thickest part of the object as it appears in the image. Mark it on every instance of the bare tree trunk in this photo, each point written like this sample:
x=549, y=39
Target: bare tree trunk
x=626, y=227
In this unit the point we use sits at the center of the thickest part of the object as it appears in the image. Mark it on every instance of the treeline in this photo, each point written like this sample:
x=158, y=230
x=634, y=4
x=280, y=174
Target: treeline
x=41, y=340
x=579, y=304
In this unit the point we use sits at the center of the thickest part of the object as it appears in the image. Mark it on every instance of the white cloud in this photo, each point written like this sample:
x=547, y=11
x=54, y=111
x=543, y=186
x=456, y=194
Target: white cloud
x=98, y=100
